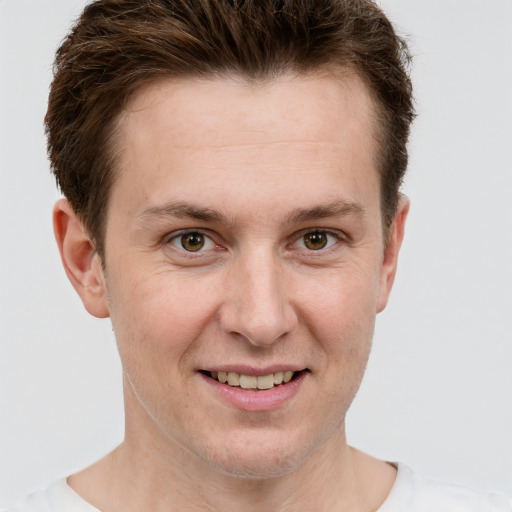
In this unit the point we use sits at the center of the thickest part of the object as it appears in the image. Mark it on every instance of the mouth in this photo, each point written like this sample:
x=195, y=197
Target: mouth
x=253, y=382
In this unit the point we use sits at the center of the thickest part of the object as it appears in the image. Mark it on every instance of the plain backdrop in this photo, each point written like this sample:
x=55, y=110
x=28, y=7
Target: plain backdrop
x=438, y=391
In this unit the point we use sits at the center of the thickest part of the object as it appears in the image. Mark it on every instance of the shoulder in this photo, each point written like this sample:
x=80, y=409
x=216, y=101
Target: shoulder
x=415, y=493
x=58, y=497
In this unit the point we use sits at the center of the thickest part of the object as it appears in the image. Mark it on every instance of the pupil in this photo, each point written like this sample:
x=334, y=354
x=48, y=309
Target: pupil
x=315, y=241
x=192, y=241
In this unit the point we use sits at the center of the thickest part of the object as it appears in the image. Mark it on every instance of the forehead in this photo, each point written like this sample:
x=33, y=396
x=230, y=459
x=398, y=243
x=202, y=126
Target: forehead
x=278, y=107
x=230, y=136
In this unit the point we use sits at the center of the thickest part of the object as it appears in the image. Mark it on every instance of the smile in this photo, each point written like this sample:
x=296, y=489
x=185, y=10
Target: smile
x=260, y=382
x=255, y=390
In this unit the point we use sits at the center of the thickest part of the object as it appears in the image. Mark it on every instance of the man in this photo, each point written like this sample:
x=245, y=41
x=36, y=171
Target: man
x=231, y=174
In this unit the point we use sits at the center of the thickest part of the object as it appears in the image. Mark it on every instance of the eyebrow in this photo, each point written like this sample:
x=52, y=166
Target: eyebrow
x=338, y=208
x=184, y=210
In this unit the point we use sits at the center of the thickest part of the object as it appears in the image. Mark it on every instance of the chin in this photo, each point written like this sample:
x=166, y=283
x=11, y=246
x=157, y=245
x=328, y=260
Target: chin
x=261, y=457
x=259, y=467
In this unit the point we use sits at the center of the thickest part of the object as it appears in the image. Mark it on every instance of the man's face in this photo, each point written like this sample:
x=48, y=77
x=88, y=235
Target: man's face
x=244, y=235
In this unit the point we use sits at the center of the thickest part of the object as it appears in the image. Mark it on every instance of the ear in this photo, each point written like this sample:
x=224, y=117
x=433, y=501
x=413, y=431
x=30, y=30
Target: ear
x=81, y=262
x=390, y=260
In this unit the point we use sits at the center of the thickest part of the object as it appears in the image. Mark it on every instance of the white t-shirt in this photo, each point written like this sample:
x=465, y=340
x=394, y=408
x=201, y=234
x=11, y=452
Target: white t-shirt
x=410, y=493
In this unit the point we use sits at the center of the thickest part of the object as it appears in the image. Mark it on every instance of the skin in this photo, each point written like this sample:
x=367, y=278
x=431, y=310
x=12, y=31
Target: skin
x=253, y=168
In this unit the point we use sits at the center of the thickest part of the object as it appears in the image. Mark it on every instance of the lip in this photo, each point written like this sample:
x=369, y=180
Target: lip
x=256, y=401
x=252, y=370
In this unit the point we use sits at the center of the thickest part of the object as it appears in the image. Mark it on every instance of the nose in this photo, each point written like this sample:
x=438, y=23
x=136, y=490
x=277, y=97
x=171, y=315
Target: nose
x=257, y=305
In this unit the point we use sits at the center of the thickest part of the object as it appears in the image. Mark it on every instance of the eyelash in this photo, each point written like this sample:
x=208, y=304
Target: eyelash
x=175, y=238
x=337, y=236
x=333, y=238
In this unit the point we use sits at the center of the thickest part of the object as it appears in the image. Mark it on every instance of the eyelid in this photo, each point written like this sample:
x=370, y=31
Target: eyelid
x=167, y=240
x=339, y=235
x=176, y=235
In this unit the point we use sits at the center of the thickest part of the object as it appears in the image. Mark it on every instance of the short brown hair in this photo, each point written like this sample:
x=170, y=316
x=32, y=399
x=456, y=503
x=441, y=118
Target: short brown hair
x=117, y=46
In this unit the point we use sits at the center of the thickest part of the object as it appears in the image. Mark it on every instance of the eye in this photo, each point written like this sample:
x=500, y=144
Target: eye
x=317, y=240
x=192, y=241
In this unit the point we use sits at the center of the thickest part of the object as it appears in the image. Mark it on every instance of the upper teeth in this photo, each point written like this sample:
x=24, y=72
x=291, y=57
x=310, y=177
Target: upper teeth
x=252, y=381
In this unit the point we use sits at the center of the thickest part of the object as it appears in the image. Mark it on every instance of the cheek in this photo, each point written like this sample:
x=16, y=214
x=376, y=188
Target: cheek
x=158, y=318
x=341, y=318
x=157, y=324
x=343, y=300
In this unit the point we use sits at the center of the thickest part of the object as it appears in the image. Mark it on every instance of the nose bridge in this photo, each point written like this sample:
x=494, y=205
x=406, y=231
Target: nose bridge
x=257, y=305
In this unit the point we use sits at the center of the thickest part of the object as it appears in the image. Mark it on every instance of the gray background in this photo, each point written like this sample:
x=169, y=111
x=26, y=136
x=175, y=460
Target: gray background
x=438, y=392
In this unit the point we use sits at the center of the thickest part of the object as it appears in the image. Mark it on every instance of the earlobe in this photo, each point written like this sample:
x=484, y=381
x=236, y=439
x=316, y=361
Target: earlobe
x=390, y=260
x=81, y=262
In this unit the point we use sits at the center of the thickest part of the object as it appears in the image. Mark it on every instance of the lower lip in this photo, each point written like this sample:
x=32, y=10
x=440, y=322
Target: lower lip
x=249, y=400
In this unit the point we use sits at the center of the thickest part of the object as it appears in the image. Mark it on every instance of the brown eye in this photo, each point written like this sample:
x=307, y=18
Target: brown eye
x=316, y=240
x=192, y=242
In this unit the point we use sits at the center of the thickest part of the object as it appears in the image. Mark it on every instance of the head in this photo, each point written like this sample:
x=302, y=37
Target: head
x=232, y=172
x=118, y=47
